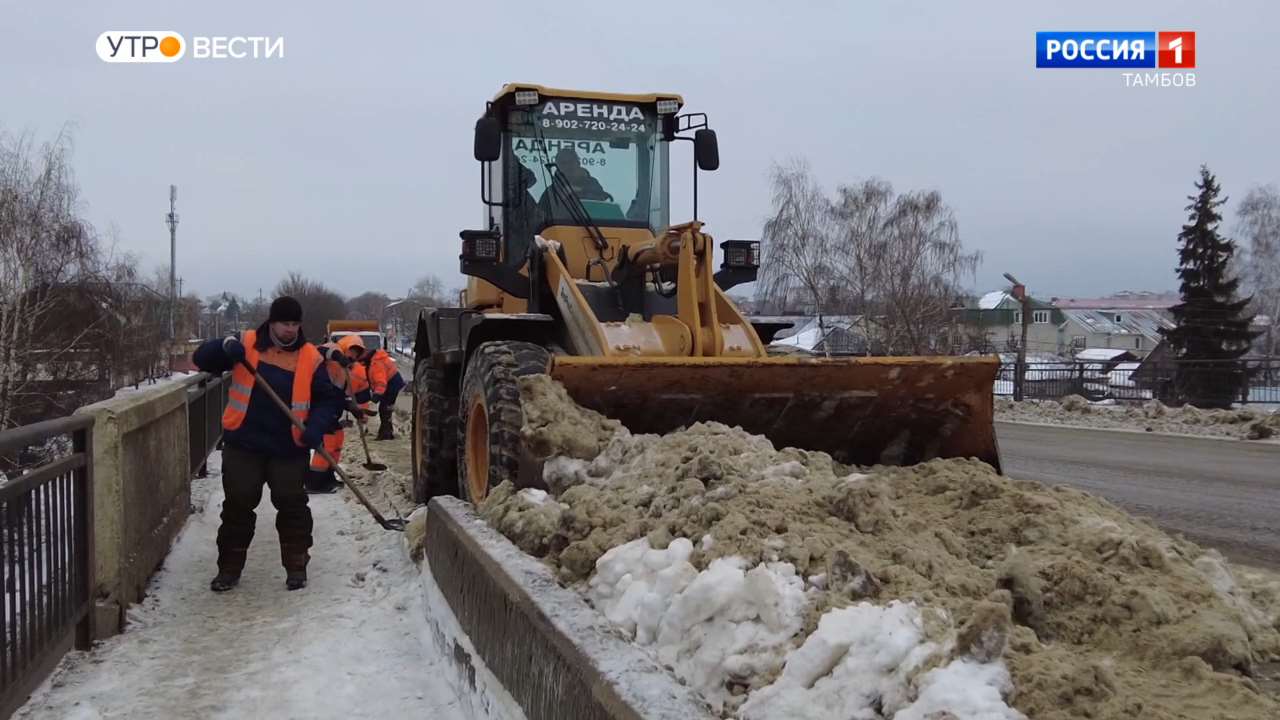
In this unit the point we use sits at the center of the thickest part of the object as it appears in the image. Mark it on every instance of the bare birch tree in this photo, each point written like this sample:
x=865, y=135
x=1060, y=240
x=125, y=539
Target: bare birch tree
x=924, y=266
x=799, y=243
x=1259, y=229
x=43, y=246
x=862, y=211
x=896, y=261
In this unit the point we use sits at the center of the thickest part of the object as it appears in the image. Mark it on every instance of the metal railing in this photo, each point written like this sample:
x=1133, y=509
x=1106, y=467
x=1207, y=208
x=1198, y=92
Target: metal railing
x=205, y=402
x=1170, y=381
x=46, y=551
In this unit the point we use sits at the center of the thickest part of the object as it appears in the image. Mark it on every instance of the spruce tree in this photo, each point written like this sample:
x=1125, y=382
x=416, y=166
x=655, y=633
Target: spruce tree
x=1211, y=332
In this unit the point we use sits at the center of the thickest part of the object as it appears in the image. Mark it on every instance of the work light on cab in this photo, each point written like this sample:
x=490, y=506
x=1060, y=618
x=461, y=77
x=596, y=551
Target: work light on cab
x=741, y=253
x=480, y=246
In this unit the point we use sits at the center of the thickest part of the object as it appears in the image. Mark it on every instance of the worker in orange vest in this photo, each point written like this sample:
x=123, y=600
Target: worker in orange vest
x=261, y=446
x=342, y=369
x=385, y=384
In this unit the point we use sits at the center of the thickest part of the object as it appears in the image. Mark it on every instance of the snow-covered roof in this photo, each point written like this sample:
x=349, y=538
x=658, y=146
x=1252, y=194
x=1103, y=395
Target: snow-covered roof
x=992, y=300
x=805, y=339
x=1099, y=354
x=1132, y=322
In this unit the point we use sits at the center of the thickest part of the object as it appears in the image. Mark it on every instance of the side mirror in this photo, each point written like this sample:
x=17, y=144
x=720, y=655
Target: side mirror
x=488, y=139
x=705, y=149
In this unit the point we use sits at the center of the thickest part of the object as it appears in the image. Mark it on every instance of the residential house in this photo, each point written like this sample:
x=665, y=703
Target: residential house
x=993, y=323
x=1137, y=331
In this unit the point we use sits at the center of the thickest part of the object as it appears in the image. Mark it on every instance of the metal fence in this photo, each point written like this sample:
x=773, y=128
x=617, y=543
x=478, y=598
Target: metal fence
x=205, y=402
x=46, y=551
x=1244, y=381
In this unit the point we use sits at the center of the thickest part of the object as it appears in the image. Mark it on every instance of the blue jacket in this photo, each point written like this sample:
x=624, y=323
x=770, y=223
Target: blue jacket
x=266, y=429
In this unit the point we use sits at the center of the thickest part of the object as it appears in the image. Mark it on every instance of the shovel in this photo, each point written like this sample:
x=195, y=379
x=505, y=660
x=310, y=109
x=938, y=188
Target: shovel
x=396, y=524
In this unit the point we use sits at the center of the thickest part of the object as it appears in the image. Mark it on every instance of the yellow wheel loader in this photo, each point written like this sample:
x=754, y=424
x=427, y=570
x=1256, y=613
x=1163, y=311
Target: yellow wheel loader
x=579, y=273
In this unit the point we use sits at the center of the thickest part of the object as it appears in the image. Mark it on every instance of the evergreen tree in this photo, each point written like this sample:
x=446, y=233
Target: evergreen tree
x=1211, y=331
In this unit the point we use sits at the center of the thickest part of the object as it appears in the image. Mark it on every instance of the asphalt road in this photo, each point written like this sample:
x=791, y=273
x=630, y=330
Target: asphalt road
x=1223, y=494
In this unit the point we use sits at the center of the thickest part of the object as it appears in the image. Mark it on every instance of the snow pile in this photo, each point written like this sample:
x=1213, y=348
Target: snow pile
x=717, y=628
x=1152, y=416
x=782, y=584
x=860, y=662
x=722, y=627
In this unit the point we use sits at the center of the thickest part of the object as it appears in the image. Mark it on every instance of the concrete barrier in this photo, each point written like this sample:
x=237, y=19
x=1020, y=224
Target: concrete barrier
x=142, y=491
x=556, y=656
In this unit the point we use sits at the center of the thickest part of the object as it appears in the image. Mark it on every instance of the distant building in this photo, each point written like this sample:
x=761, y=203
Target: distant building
x=993, y=323
x=1124, y=300
x=1137, y=331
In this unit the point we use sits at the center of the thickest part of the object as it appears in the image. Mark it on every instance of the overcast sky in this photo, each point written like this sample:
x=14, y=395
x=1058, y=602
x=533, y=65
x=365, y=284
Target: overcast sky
x=350, y=159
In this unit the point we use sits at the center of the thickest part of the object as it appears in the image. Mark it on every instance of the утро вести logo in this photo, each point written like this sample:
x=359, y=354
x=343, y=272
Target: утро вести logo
x=166, y=46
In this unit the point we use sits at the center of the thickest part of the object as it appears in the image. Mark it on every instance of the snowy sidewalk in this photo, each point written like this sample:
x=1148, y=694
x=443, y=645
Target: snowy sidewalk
x=352, y=644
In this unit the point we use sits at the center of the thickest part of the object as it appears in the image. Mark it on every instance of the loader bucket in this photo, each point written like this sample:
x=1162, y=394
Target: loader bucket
x=862, y=411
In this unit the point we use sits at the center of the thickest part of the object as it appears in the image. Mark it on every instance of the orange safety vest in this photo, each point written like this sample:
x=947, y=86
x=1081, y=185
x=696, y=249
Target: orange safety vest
x=382, y=367
x=359, y=379
x=303, y=363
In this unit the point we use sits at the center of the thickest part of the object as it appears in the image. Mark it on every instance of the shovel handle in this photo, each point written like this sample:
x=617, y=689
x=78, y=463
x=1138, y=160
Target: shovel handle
x=260, y=382
x=363, y=440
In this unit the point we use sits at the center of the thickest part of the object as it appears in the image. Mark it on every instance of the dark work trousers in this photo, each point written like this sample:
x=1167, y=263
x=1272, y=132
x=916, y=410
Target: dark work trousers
x=388, y=405
x=243, y=475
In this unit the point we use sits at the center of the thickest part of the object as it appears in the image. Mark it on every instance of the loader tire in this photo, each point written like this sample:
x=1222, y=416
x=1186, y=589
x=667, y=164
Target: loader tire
x=434, y=445
x=490, y=417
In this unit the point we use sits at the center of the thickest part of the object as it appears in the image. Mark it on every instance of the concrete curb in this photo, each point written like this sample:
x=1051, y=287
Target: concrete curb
x=557, y=656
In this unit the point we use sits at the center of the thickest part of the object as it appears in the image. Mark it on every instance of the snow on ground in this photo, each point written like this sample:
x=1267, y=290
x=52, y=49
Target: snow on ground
x=352, y=644
x=154, y=383
x=1247, y=422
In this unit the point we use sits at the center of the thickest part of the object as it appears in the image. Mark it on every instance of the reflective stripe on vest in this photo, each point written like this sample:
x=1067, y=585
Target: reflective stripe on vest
x=242, y=384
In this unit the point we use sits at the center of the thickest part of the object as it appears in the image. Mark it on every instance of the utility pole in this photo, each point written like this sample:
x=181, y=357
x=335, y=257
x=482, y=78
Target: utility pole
x=1020, y=371
x=172, y=220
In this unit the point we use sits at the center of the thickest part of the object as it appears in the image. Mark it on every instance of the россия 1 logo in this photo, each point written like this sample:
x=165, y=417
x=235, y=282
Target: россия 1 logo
x=1165, y=50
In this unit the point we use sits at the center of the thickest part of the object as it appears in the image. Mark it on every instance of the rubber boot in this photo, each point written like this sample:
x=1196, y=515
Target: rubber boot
x=386, y=431
x=320, y=482
x=224, y=581
x=295, y=579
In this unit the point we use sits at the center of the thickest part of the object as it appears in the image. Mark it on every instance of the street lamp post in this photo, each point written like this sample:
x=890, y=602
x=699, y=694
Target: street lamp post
x=1020, y=293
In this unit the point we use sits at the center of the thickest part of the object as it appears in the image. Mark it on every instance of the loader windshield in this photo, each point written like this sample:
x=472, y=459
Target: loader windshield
x=606, y=156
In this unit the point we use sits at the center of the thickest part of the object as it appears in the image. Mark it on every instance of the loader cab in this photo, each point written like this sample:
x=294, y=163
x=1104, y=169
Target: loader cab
x=565, y=164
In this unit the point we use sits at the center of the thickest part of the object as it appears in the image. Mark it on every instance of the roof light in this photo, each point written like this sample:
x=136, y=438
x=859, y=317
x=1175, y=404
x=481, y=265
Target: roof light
x=741, y=253
x=480, y=246
x=526, y=97
x=668, y=107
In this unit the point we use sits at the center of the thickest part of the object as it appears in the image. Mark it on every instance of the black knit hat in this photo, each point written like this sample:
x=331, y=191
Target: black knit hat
x=285, y=309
